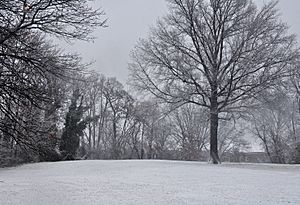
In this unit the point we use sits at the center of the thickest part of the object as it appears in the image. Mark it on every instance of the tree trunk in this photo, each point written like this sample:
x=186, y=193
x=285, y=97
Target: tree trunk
x=94, y=126
x=114, y=144
x=142, y=143
x=214, y=122
x=90, y=137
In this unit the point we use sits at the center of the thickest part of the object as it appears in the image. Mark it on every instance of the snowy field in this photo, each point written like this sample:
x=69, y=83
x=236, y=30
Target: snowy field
x=149, y=183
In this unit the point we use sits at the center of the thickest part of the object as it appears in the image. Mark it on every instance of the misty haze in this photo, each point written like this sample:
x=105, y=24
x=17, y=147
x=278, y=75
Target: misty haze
x=144, y=102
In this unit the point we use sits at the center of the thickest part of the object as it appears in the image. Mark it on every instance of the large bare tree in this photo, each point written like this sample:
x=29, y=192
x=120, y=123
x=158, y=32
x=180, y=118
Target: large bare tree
x=215, y=54
x=30, y=63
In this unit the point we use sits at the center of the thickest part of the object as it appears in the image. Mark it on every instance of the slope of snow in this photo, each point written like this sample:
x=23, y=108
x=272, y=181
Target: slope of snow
x=149, y=183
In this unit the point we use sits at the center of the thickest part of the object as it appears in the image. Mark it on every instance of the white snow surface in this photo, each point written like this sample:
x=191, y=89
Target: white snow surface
x=148, y=183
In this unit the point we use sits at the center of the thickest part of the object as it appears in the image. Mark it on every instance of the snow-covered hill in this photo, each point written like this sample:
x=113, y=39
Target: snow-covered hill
x=149, y=183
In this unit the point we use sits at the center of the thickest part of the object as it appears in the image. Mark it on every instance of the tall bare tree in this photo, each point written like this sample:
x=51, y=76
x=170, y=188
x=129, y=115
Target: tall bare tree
x=120, y=105
x=216, y=54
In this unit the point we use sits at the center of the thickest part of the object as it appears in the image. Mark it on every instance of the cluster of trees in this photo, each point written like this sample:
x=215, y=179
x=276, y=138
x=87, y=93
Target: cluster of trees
x=212, y=74
x=35, y=75
x=122, y=127
x=275, y=121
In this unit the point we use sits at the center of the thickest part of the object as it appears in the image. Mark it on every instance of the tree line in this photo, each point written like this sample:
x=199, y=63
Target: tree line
x=210, y=75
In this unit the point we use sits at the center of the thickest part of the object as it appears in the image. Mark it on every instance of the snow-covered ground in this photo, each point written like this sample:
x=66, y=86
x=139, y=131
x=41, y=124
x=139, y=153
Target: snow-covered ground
x=149, y=183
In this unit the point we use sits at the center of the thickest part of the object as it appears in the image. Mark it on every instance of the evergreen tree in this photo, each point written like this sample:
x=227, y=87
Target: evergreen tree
x=74, y=127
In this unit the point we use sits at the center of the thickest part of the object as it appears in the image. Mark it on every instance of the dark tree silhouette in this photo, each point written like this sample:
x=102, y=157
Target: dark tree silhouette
x=75, y=124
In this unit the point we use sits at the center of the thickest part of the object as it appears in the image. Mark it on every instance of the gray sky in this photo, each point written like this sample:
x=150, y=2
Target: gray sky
x=129, y=20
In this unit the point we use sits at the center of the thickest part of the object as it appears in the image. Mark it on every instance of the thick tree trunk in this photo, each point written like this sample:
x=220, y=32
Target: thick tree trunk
x=214, y=138
x=214, y=122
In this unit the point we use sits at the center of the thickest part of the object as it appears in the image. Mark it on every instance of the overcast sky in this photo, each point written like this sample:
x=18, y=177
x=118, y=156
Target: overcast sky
x=129, y=20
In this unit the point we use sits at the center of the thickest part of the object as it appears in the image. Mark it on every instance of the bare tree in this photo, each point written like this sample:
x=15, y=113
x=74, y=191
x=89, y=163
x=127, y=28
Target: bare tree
x=142, y=140
x=120, y=104
x=191, y=130
x=27, y=83
x=273, y=122
x=216, y=54
x=231, y=139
